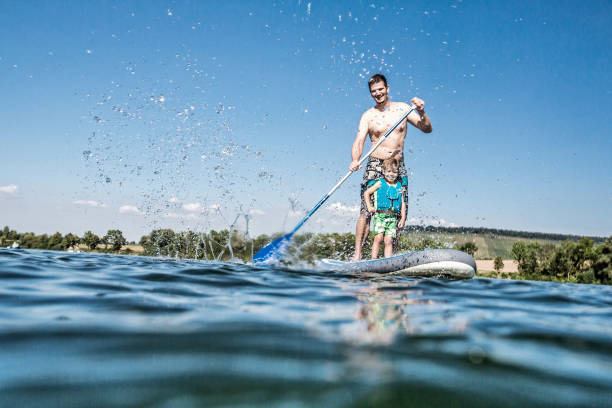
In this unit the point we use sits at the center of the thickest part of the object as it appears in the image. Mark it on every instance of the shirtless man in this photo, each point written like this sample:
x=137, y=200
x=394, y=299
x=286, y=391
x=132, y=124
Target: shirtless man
x=375, y=122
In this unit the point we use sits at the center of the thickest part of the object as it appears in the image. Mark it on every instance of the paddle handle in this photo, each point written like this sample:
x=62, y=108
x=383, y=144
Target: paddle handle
x=347, y=175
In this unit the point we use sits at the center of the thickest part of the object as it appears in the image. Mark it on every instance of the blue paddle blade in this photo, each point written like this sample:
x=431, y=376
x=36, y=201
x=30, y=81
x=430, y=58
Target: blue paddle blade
x=273, y=251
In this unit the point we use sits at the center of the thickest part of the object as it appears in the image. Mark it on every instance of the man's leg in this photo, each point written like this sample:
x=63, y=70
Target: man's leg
x=361, y=234
x=373, y=171
x=403, y=174
x=396, y=238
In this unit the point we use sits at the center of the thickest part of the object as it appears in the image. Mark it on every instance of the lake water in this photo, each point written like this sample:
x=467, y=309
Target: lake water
x=102, y=330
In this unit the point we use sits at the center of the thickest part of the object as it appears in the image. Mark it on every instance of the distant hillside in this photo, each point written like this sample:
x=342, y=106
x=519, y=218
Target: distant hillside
x=490, y=242
x=503, y=232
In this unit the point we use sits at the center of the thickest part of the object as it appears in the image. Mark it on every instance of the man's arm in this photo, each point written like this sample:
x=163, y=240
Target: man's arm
x=418, y=118
x=360, y=139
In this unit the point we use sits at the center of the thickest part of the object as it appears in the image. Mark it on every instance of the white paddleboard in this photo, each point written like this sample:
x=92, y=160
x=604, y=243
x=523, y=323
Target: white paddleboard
x=426, y=263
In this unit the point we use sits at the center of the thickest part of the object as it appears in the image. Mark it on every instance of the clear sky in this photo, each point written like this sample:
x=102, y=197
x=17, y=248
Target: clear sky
x=190, y=114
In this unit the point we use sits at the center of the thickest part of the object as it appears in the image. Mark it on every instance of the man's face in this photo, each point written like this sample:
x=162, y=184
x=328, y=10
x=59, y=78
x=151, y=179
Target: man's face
x=379, y=92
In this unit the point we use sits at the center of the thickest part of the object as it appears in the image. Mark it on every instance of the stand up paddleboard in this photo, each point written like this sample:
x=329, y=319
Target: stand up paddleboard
x=426, y=263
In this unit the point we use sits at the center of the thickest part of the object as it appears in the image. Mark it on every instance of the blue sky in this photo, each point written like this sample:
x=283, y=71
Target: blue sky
x=188, y=114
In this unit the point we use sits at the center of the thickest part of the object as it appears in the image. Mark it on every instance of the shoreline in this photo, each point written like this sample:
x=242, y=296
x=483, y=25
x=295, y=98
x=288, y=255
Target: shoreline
x=482, y=265
x=486, y=265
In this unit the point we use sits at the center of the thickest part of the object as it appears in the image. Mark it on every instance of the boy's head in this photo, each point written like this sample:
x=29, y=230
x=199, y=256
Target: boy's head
x=390, y=169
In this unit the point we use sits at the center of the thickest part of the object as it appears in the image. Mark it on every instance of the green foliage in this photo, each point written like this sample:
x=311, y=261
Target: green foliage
x=27, y=240
x=115, y=239
x=310, y=247
x=55, y=242
x=40, y=242
x=585, y=260
x=602, y=262
x=409, y=243
x=579, y=262
x=526, y=255
x=70, y=240
x=468, y=247
x=91, y=240
x=158, y=242
x=210, y=246
x=498, y=264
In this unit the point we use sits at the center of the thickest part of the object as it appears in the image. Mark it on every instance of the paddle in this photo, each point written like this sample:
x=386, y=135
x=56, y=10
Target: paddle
x=275, y=249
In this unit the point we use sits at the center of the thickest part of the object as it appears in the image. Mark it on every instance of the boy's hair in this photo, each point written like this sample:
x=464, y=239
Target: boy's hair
x=377, y=78
x=390, y=164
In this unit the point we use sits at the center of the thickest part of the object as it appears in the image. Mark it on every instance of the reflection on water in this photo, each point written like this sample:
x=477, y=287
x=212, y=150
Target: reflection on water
x=394, y=308
x=100, y=330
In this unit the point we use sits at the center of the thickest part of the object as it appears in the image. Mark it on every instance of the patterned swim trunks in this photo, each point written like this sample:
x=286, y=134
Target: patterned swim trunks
x=374, y=171
x=385, y=224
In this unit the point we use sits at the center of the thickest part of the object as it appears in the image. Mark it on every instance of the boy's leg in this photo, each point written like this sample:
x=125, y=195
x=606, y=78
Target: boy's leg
x=378, y=238
x=388, y=246
x=390, y=235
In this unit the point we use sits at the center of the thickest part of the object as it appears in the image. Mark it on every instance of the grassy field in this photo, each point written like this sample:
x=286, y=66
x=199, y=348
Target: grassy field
x=136, y=249
x=489, y=245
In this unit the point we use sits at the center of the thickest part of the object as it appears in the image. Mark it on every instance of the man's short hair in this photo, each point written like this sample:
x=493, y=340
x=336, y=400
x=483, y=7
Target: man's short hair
x=377, y=78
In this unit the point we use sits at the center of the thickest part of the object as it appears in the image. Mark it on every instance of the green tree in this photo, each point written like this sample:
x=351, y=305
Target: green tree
x=41, y=241
x=70, y=240
x=12, y=235
x=28, y=240
x=572, y=261
x=602, y=262
x=55, y=242
x=469, y=247
x=4, y=236
x=115, y=239
x=527, y=257
x=498, y=264
x=158, y=242
x=91, y=240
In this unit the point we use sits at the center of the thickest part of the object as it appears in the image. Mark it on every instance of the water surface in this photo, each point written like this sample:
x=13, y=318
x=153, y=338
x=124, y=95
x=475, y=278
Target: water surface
x=100, y=330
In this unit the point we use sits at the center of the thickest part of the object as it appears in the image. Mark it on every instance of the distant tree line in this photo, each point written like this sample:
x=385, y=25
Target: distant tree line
x=579, y=262
x=112, y=241
x=502, y=232
x=225, y=245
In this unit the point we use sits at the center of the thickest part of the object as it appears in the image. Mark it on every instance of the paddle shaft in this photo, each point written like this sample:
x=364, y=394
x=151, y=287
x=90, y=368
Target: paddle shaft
x=343, y=179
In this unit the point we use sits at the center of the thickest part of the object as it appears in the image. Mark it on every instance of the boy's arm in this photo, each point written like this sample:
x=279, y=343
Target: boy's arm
x=402, y=220
x=368, y=194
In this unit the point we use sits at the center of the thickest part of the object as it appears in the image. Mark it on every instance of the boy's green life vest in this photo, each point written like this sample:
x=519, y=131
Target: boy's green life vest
x=388, y=197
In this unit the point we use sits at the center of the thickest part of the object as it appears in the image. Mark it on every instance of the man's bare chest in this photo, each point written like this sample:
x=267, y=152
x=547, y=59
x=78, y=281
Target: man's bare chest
x=379, y=124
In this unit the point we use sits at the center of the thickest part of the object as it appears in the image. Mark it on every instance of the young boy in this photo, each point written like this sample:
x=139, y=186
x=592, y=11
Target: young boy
x=388, y=204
